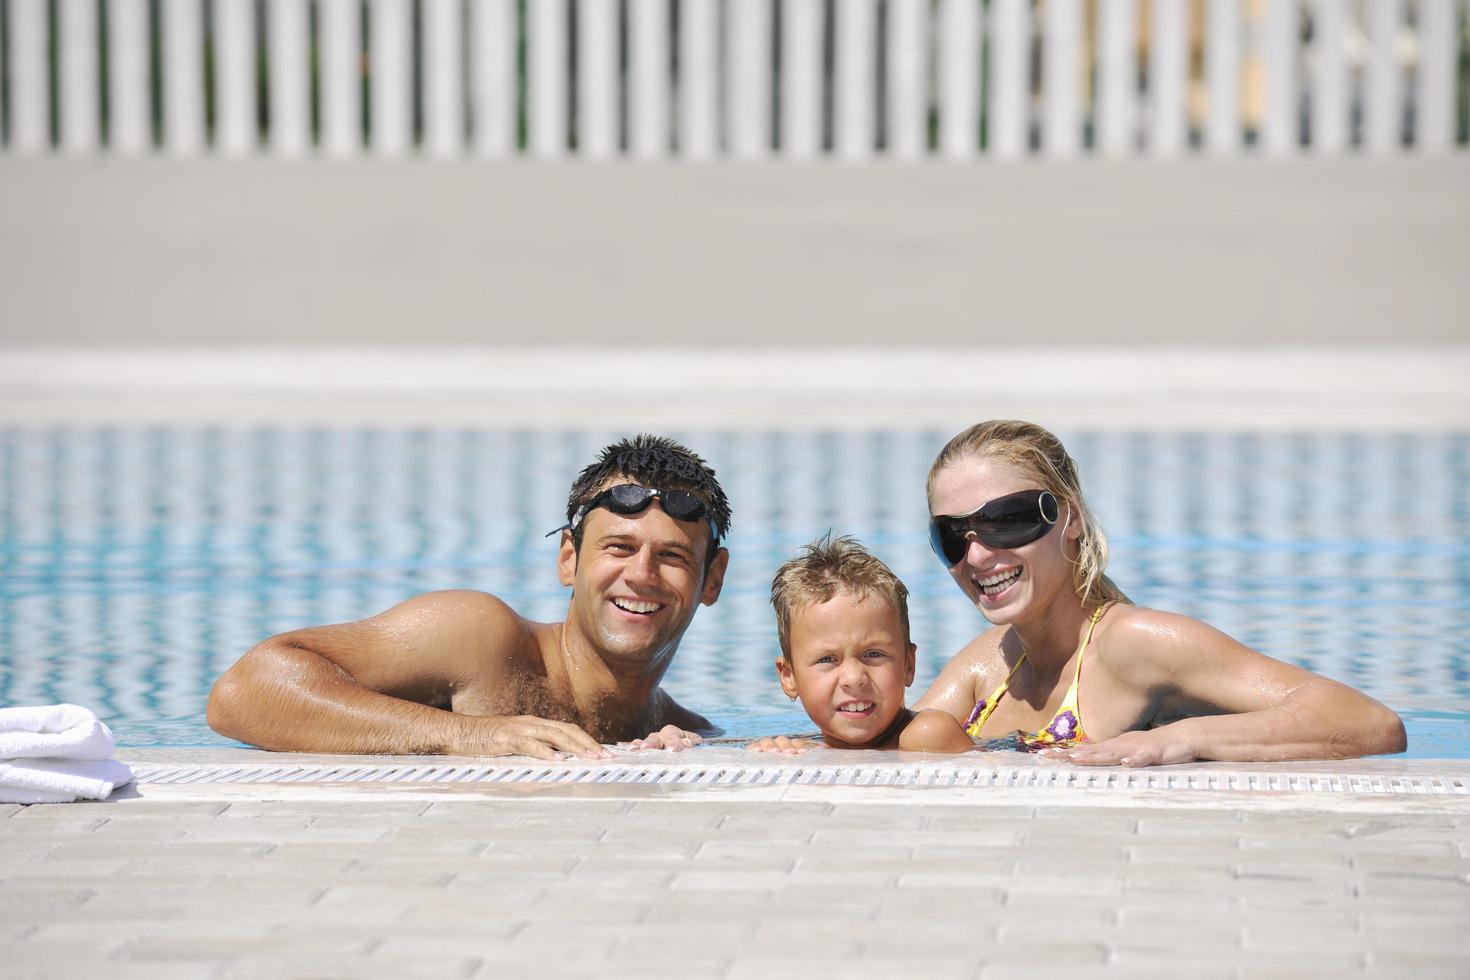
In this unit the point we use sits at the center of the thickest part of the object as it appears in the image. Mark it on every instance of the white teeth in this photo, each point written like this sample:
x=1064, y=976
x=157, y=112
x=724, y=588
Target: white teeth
x=997, y=583
x=633, y=605
x=857, y=706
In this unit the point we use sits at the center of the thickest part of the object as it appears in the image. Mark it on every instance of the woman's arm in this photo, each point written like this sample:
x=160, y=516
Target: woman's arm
x=934, y=731
x=956, y=689
x=1255, y=709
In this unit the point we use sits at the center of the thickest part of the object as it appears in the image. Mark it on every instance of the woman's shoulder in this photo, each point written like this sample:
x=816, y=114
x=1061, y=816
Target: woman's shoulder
x=932, y=730
x=1134, y=639
x=984, y=655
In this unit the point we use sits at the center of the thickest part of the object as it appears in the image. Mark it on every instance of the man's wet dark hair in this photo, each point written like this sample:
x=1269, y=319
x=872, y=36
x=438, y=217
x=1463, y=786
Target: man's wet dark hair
x=651, y=461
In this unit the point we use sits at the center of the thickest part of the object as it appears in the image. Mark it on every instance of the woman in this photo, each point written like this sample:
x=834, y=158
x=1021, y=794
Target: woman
x=1073, y=665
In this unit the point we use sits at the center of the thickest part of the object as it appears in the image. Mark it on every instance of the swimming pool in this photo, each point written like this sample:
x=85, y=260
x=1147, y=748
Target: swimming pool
x=136, y=563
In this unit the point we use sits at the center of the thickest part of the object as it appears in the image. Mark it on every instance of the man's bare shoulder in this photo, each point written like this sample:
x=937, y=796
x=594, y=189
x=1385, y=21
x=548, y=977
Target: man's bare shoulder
x=452, y=611
x=454, y=636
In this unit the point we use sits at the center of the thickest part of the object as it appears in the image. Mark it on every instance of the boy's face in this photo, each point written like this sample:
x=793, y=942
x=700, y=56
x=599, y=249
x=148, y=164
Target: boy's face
x=849, y=665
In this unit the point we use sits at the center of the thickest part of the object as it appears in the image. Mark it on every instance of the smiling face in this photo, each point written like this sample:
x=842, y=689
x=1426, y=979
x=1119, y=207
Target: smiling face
x=638, y=580
x=849, y=664
x=1006, y=584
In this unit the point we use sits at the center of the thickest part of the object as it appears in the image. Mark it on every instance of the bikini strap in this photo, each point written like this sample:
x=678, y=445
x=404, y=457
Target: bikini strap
x=983, y=709
x=1087, y=641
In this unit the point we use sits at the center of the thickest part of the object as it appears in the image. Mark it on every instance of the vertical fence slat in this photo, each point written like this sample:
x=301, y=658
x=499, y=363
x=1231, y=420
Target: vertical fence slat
x=289, y=28
x=958, y=32
x=443, y=71
x=341, y=89
x=1434, y=117
x=80, y=117
x=1167, y=75
x=234, y=74
x=29, y=99
x=801, y=78
x=1279, y=126
x=907, y=121
x=183, y=77
x=698, y=82
x=389, y=49
x=1117, y=76
x=127, y=76
x=855, y=75
x=648, y=74
x=493, y=86
x=1222, y=76
x=547, y=98
x=597, y=78
x=1329, y=77
x=1061, y=78
x=1382, y=116
x=750, y=78
x=1010, y=77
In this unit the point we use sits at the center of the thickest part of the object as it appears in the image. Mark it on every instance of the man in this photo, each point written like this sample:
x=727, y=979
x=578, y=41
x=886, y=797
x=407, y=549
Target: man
x=459, y=672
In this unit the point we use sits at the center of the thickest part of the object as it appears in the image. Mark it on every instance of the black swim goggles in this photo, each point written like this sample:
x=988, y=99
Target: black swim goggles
x=1005, y=522
x=630, y=498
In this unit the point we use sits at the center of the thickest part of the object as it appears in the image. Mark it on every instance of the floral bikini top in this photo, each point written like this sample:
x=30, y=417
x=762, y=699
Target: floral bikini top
x=1066, y=725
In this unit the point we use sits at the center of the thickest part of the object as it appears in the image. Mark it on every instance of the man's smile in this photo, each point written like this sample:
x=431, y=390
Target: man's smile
x=637, y=607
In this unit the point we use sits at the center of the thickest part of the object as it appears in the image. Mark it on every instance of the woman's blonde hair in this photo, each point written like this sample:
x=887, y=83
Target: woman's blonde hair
x=1040, y=454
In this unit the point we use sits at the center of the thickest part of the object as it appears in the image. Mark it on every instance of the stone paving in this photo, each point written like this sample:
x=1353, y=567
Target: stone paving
x=274, y=881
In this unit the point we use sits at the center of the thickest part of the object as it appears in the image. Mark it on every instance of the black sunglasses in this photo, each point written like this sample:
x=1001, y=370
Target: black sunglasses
x=1005, y=522
x=630, y=498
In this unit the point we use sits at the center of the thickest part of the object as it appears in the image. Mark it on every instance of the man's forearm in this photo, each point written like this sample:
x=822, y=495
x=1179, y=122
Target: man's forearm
x=292, y=700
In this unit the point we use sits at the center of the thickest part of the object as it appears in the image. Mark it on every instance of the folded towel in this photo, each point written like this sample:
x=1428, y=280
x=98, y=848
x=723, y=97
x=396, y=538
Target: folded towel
x=46, y=781
x=53, y=731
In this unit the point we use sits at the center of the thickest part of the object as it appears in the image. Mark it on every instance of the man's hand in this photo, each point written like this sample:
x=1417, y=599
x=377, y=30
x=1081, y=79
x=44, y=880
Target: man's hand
x=781, y=745
x=670, y=737
x=539, y=738
x=1158, y=747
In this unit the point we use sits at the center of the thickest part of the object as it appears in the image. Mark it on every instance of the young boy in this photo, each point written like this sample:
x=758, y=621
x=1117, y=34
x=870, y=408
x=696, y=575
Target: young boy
x=843, y=620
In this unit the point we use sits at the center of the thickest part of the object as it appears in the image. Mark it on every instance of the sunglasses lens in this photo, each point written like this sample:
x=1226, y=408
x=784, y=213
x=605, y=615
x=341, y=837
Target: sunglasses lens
x=1007, y=522
x=947, y=538
x=628, y=498
x=682, y=505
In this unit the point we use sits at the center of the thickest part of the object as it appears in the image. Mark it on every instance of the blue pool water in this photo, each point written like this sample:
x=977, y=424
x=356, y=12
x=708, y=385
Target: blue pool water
x=136, y=564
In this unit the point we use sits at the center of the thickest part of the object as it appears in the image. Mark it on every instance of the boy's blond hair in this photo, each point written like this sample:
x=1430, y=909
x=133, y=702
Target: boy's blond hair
x=825, y=567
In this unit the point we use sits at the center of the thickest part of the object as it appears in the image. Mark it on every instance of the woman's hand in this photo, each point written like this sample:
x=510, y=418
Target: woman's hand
x=670, y=737
x=781, y=745
x=1159, y=747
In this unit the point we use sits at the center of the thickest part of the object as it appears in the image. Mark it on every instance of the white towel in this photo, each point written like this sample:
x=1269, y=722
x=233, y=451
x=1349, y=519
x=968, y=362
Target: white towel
x=60, y=781
x=53, y=731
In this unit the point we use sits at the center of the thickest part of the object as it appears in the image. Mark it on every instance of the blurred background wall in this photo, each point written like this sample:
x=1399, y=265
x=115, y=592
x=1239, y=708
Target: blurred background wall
x=225, y=172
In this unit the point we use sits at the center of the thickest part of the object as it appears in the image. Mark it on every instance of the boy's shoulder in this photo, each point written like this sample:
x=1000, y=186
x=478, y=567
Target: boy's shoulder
x=932, y=730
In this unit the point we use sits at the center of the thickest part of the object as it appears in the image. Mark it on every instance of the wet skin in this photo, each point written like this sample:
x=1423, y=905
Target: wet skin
x=460, y=672
x=1157, y=687
x=850, y=664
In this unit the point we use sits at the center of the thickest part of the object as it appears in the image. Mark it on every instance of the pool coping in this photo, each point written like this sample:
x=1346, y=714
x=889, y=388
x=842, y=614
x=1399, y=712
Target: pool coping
x=729, y=773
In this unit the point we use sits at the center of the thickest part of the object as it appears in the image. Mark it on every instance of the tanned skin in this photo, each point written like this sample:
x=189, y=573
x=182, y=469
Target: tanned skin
x=461, y=673
x=1157, y=688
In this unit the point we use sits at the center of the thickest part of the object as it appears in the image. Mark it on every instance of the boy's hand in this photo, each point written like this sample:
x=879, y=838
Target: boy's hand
x=781, y=744
x=670, y=737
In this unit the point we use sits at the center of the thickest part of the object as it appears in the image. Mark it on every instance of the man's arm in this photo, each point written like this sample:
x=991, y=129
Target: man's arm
x=1262, y=710
x=369, y=687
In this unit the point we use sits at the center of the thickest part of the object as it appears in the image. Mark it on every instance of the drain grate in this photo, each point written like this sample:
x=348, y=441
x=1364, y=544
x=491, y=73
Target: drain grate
x=997, y=776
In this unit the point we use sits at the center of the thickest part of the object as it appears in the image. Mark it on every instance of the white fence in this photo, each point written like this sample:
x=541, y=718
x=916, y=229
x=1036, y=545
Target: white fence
x=746, y=79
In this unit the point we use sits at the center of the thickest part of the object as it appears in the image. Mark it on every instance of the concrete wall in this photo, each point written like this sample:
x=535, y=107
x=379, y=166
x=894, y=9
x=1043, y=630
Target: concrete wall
x=1244, y=253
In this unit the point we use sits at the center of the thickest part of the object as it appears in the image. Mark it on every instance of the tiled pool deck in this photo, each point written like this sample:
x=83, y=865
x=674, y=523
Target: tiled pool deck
x=781, y=878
